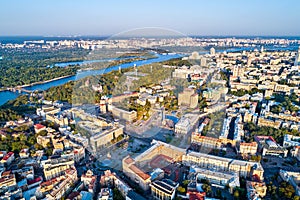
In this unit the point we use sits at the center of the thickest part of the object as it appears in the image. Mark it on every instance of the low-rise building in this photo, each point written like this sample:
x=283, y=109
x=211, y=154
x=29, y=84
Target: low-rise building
x=248, y=148
x=105, y=194
x=8, y=158
x=104, y=138
x=109, y=179
x=64, y=185
x=256, y=190
x=206, y=142
x=268, y=146
x=164, y=189
x=268, y=122
x=89, y=181
x=39, y=127
x=242, y=168
x=7, y=179
x=218, y=178
x=291, y=141
x=186, y=124
x=54, y=167
x=43, y=140
x=296, y=152
x=119, y=113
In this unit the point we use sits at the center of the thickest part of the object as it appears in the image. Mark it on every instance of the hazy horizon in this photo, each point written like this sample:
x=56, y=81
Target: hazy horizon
x=191, y=17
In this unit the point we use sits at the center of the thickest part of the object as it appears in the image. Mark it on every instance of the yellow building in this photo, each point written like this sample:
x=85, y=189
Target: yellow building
x=204, y=141
x=248, y=148
x=267, y=122
x=7, y=179
x=43, y=140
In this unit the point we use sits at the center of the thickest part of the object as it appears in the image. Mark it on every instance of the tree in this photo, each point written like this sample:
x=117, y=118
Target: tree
x=236, y=194
x=185, y=183
x=296, y=198
x=38, y=146
x=181, y=190
x=286, y=190
x=117, y=194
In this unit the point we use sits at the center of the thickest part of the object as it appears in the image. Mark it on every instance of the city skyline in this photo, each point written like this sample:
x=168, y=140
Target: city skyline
x=215, y=18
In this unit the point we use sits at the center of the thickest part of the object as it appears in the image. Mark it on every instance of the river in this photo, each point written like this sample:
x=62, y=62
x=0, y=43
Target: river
x=8, y=95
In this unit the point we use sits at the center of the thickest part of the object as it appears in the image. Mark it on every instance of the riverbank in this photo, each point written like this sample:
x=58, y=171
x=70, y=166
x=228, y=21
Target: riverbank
x=44, y=85
x=35, y=83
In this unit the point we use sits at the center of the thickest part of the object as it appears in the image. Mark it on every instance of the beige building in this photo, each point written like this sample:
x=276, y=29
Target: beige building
x=186, y=124
x=207, y=142
x=221, y=179
x=129, y=116
x=56, y=167
x=248, y=148
x=106, y=137
x=7, y=179
x=134, y=168
x=238, y=71
x=43, y=140
x=64, y=185
x=243, y=168
x=188, y=97
x=135, y=173
x=282, y=88
x=267, y=122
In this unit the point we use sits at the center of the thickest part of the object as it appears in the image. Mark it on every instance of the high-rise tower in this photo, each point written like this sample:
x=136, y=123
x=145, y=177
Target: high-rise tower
x=297, y=61
x=297, y=58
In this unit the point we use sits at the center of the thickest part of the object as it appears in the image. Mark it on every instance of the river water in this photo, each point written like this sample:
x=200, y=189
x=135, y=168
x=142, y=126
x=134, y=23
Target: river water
x=7, y=95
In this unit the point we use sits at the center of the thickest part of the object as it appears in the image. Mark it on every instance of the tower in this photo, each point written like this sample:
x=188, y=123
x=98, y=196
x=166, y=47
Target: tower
x=297, y=61
x=212, y=51
x=238, y=71
x=297, y=58
x=203, y=62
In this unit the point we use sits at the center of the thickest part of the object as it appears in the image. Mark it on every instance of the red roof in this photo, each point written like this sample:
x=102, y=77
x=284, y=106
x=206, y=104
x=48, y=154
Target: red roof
x=73, y=195
x=39, y=126
x=8, y=155
x=29, y=182
x=139, y=172
x=196, y=195
x=6, y=173
x=129, y=160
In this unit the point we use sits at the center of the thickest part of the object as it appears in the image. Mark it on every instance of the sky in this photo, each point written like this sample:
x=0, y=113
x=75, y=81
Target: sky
x=190, y=17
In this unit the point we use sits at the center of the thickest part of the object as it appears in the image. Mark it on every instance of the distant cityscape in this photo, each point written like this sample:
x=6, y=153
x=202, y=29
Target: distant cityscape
x=149, y=42
x=172, y=118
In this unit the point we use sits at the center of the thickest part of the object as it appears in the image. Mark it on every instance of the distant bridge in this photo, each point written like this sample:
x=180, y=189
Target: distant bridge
x=19, y=89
